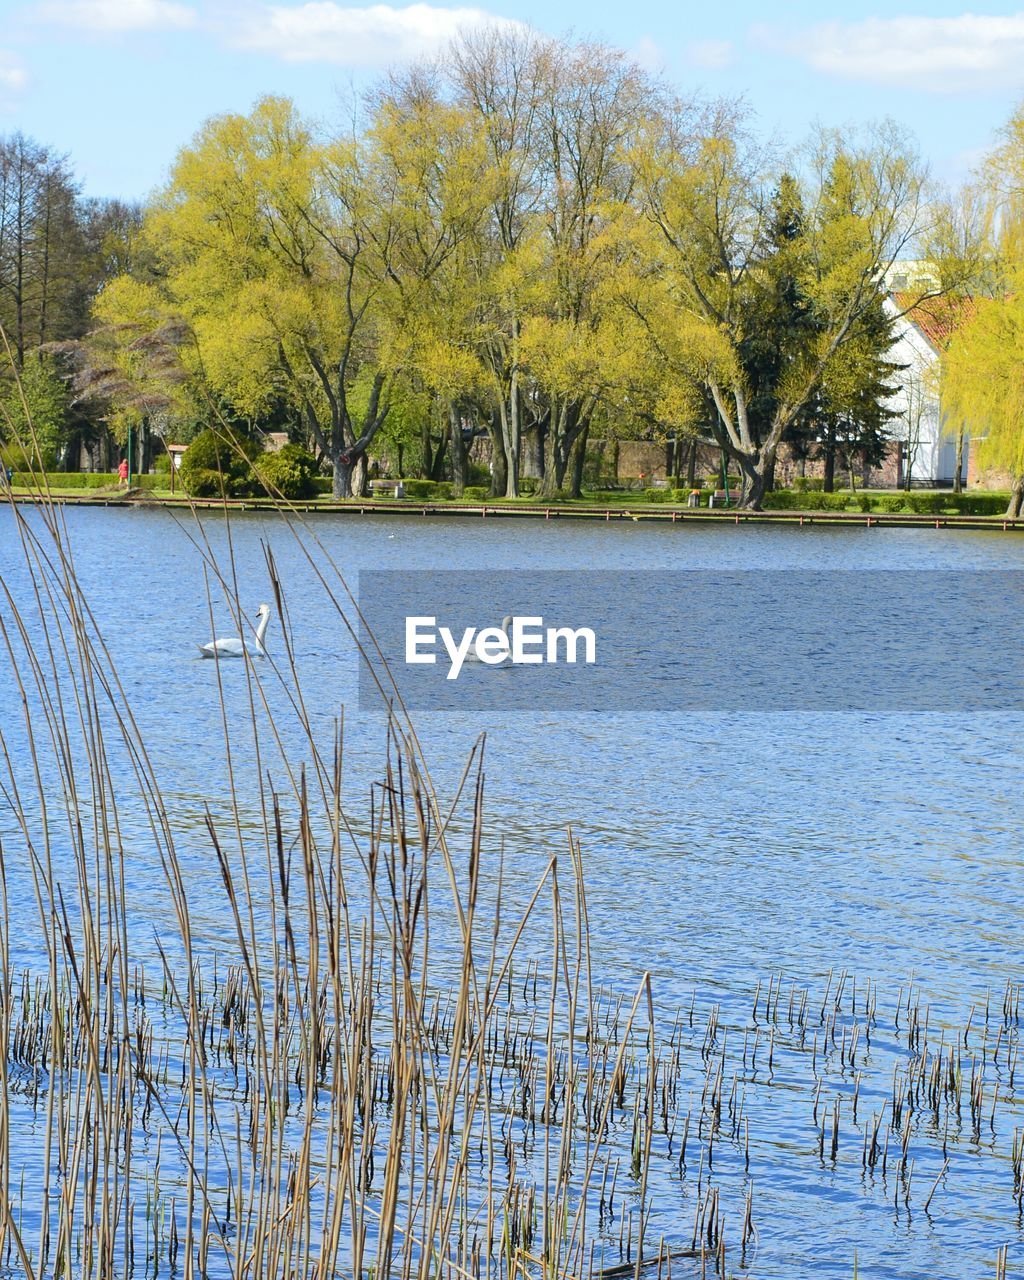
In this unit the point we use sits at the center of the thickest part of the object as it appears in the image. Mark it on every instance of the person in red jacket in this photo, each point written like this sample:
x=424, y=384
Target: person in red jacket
x=122, y=471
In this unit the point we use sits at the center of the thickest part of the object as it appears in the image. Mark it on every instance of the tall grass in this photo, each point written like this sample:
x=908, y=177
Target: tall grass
x=380, y=1062
x=332, y=1092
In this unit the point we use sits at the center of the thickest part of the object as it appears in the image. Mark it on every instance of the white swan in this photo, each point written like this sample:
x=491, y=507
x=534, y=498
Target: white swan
x=475, y=660
x=235, y=648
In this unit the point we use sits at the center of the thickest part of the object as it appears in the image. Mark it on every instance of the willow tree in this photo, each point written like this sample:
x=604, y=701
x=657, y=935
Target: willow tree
x=706, y=191
x=983, y=364
x=499, y=77
x=983, y=383
x=268, y=243
x=594, y=100
x=434, y=167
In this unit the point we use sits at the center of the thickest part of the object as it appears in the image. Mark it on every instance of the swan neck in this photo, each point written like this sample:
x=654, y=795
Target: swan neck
x=261, y=627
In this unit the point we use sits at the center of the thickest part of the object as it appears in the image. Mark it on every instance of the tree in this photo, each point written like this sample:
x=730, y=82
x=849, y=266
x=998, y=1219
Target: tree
x=706, y=194
x=432, y=159
x=139, y=369
x=983, y=371
x=272, y=246
x=983, y=364
x=499, y=76
x=42, y=391
x=591, y=107
x=40, y=245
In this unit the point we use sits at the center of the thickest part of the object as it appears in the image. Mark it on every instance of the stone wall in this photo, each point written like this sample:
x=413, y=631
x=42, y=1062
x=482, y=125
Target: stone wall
x=979, y=477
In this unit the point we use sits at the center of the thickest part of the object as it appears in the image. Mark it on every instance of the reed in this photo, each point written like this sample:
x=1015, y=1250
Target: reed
x=384, y=1064
x=331, y=1091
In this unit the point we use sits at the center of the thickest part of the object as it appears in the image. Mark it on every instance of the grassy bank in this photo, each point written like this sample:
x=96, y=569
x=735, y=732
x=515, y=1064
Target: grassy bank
x=874, y=507
x=437, y=493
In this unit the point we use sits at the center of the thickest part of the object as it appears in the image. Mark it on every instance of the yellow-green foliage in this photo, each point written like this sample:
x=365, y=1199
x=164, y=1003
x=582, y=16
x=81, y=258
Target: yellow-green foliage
x=984, y=379
x=219, y=462
x=983, y=367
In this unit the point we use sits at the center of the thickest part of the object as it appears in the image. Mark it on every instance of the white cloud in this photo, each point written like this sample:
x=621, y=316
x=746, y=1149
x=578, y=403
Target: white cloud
x=13, y=76
x=715, y=55
x=943, y=55
x=323, y=31
x=118, y=15
x=649, y=55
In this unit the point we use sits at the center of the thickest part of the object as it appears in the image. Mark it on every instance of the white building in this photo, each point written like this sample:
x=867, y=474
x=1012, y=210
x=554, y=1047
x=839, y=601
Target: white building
x=920, y=335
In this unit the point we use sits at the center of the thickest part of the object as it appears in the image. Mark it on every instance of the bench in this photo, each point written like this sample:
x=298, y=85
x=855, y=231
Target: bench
x=718, y=499
x=396, y=488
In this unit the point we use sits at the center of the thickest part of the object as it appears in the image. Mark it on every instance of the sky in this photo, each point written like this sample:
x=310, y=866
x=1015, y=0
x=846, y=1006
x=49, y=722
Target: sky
x=121, y=85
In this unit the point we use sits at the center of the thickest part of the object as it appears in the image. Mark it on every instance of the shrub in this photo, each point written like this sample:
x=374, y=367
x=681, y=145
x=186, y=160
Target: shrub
x=162, y=464
x=82, y=480
x=889, y=502
x=476, y=492
x=214, y=458
x=812, y=500
x=422, y=489
x=979, y=504
x=927, y=503
x=428, y=490
x=290, y=472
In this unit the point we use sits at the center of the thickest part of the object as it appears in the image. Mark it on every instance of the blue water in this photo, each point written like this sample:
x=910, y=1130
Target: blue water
x=719, y=848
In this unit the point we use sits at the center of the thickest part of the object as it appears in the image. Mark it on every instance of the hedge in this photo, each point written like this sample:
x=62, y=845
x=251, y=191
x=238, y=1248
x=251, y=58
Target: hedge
x=915, y=503
x=788, y=500
x=86, y=480
x=427, y=490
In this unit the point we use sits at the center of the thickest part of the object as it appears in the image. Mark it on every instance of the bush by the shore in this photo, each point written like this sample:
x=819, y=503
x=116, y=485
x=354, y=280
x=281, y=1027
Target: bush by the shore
x=918, y=502
x=85, y=480
x=290, y=472
x=213, y=465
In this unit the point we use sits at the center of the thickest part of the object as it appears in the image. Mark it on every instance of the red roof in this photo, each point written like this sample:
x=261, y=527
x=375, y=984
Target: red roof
x=937, y=319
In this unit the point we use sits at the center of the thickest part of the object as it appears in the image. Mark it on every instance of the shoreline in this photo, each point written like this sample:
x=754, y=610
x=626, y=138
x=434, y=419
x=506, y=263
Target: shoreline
x=658, y=513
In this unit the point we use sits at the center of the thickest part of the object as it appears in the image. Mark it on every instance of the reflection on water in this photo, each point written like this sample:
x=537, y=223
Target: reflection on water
x=720, y=848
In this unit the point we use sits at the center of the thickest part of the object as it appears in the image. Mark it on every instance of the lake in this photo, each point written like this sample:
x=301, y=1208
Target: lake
x=720, y=847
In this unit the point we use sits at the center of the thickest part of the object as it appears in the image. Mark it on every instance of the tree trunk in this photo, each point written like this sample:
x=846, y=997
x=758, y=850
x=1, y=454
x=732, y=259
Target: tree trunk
x=579, y=459
x=341, y=486
x=958, y=485
x=512, y=438
x=426, y=450
x=829, y=482
x=437, y=469
x=1016, y=497
x=458, y=450
x=554, y=465
x=691, y=465
x=499, y=464
x=534, y=445
x=360, y=476
x=564, y=429
x=754, y=487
